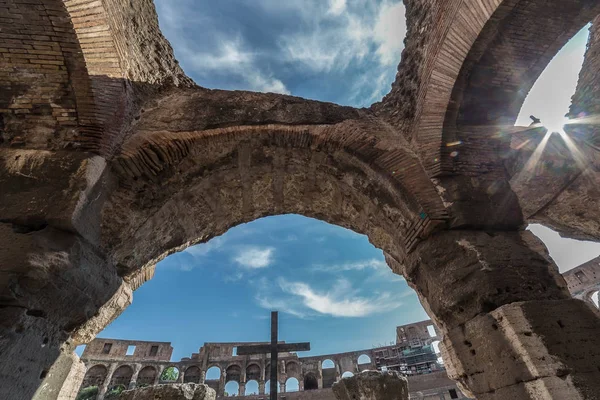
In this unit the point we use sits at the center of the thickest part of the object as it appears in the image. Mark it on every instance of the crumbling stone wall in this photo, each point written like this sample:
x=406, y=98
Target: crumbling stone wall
x=100, y=160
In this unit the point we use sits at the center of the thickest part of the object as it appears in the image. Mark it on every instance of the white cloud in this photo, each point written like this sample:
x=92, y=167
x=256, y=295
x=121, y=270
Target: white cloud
x=389, y=32
x=255, y=257
x=280, y=305
x=352, y=266
x=341, y=301
x=324, y=46
x=336, y=7
x=233, y=58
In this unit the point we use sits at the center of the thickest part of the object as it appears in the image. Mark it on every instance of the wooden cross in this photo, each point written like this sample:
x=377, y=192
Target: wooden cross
x=274, y=348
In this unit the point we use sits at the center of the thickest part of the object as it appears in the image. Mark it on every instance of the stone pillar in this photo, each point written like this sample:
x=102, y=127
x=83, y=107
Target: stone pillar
x=104, y=388
x=159, y=372
x=64, y=378
x=136, y=371
x=38, y=314
x=320, y=375
x=222, y=382
x=511, y=329
x=261, y=387
x=281, y=387
x=242, y=390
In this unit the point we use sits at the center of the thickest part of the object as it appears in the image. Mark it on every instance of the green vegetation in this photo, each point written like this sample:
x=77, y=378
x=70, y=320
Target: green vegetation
x=169, y=374
x=115, y=391
x=88, y=393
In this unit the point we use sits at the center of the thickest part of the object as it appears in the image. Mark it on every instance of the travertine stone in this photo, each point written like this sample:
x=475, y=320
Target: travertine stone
x=64, y=378
x=512, y=347
x=112, y=158
x=372, y=385
x=177, y=391
x=462, y=274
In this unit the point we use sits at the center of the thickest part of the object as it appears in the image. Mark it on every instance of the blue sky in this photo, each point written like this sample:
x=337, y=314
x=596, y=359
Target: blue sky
x=331, y=286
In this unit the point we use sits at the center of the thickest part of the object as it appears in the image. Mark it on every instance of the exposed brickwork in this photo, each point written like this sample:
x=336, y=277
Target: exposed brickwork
x=175, y=164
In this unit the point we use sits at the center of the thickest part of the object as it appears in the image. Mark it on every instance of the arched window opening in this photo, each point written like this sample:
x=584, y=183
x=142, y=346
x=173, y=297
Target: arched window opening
x=232, y=388
x=192, y=375
x=326, y=364
x=251, y=387
x=310, y=382
x=233, y=373
x=213, y=373
x=95, y=376
x=146, y=377
x=292, y=385
x=595, y=299
x=120, y=380
x=253, y=372
x=268, y=387
x=347, y=374
x=557, y=82
x=170, y=374
x=364, y=359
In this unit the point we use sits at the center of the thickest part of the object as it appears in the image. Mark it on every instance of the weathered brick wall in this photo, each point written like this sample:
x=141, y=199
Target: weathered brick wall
x=586, y=100
x=119, y=349
x=38, y=52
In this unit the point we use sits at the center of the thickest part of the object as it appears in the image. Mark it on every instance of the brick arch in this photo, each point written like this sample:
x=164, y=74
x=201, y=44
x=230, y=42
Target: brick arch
x=95, y=376
x=121, y=376
x=192, y=374
x=477, y=65
x=293, y=370
x=511, y=51
x=235, y=175
x=253, y=372
x=146, y=376
x=233, y=372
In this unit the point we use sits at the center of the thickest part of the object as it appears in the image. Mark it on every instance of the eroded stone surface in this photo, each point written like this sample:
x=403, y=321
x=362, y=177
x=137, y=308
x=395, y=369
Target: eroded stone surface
x=372, y=385
x=183, y=391
x=92, y=190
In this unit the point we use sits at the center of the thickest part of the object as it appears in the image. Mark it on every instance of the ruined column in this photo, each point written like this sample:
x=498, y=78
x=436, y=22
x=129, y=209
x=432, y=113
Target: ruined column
x=136, y=370
x=281, y=387
x=261, y=387
x=160, y=370
x=105, y=385
x=242, y=389
x=511, y=329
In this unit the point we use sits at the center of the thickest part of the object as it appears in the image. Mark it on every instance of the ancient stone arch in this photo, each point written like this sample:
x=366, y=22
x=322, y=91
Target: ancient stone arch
x=95, y=376
x=193, y=374
x=147, y=376
x=97, y=153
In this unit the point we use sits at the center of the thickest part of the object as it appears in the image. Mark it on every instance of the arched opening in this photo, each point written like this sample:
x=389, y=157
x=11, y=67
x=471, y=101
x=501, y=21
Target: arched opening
x=268, y=387
x=233, y=373
x=347, y=374
x=169, y=375
x=213, y=373
x=253, y=372
x=310, y=382
x=232, y=388
x=146, y=377
x=192, y=375
x=120, y=379
x=364, y=359
x=292, y=385
x=95, y=376
x=595, y=299
x=329, y=373
x=557, y=82
x=251, y=387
